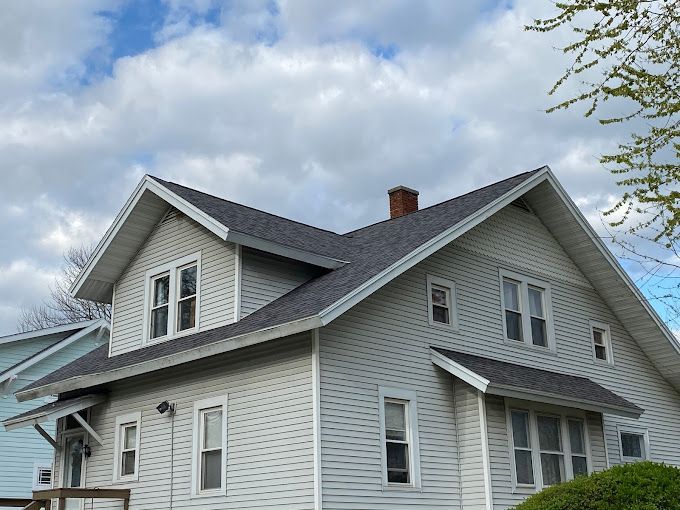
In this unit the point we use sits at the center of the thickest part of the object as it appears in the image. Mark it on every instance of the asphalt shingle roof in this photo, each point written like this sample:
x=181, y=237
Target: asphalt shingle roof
x=534, y=380
x=369, y=251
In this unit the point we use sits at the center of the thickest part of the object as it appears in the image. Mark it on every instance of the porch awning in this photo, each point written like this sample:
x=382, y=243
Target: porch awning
x=52, y=411
x=526, y=383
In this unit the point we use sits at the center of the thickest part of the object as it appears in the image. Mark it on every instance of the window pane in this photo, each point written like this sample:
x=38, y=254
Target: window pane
x=212, y=429
x=576, y=438
x=439, y=296
x=130, y=437
x=598, y=337
x=395, y=421
x=580, y=465
x=538, y=334
x=520, y=429
x=631, y=445
x=601, y=352
x=440, y=314
x=211, y=469
x=511, y=295
x=513, y=325
x=161, y=290
x=536, y=302
x=525, y=469
x=187, y=282
x=397, y=455
x=128, y=467
x=159, y=322
x=549, y=433
x=186, y=314
x=552, y=467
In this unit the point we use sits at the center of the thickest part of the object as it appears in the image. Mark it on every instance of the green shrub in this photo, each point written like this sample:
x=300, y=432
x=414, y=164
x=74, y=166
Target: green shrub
x=640, y=486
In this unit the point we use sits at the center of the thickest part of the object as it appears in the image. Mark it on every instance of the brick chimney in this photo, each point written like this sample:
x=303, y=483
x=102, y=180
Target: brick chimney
x=403, y=201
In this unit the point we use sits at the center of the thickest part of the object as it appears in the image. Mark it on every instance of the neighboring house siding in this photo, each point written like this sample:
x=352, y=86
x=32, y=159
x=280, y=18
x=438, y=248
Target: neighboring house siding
x=175, y=237
x=469, y=432
x=270, y=453
x=16, y=352
x=20, y=449
x=265, y=277
x=385, y=341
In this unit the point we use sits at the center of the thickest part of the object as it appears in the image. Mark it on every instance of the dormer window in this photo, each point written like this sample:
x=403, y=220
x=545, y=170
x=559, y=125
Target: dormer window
x=172, y=299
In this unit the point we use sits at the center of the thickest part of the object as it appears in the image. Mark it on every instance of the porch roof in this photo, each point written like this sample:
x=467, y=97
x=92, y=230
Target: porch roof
x=527, y=383
x=52, y=411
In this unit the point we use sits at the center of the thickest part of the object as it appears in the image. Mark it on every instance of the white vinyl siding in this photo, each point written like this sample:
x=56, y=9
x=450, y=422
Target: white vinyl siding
x=385, y=340
x=175, y=237
x=265, y=277
x=270, y=461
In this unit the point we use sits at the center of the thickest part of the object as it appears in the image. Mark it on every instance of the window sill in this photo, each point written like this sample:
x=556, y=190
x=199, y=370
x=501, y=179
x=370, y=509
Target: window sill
x=532, y=348
x=603, y=362
x=401, y=488
x=441, y=325
x=127, y=479
x=209, y=494
x=161, y=339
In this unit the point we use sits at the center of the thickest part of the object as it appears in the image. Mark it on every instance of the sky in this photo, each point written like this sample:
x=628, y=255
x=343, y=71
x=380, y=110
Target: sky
x=305, y=108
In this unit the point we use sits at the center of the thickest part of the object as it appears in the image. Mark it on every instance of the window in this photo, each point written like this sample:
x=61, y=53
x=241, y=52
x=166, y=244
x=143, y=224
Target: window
x=526, y=310
x=42, y=476
x=441, y=300
x=126, y=454
x=602, y=345
x=210, y=434
x=172, y=298
x=634, y=444
x=399, y=433
x=547, y=447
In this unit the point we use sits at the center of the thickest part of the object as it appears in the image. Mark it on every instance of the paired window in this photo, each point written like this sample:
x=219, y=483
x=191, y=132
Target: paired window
x=547, y=448
x=600, y=335
x=441, y=300
x=210, y=434
x=526, y=310
x=634, y=444
x=172, y=297
x=399, y=434
x=42, y=476
x=126, y=455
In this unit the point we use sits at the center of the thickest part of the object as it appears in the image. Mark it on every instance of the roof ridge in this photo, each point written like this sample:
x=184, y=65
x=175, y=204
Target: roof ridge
x=246, y=206
x=447, y=200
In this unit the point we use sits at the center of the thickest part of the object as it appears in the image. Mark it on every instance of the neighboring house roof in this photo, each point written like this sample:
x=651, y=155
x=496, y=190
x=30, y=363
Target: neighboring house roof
x=52, y=411
x=375, y=255
x=77, y=330
x=510, y=380
x=39, y=333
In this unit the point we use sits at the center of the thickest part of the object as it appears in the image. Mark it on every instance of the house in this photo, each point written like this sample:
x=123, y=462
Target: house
x=464, y=355
x=25, y=457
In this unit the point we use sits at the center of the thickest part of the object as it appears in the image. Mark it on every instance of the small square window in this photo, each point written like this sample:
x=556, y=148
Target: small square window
x=633, y=445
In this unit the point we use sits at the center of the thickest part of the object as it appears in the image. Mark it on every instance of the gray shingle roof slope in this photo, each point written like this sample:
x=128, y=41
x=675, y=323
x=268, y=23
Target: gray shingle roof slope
x=369, y=250
x=254, y=222
x=501, y=373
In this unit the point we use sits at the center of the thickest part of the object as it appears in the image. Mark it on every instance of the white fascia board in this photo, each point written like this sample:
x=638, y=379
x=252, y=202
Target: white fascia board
x=613, y=262
x=459, y=371
x=428, y=248
x=78, y=404
x=32, y=360
x=220, y=347
x=29, y=335
x=284, y=251
x=558, y=400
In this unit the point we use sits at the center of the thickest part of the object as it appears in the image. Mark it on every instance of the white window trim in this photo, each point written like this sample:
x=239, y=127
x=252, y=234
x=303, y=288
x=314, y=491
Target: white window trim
x=126, y=419
x=535, y=409
x=633, y=430
x=171, y=268
x=412, y=434
x=525, y=282
x=452, y=304
x=37, y=467
x=607, y=341
x=200, y=405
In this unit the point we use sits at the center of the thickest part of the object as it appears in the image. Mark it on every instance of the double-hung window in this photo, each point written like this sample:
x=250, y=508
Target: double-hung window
x=548, y=447
x=526, y=310
x=172, y=298
x=399, y=436
x=126, y=454
x=441, y=297
x=210, y=434
x=602, y=342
